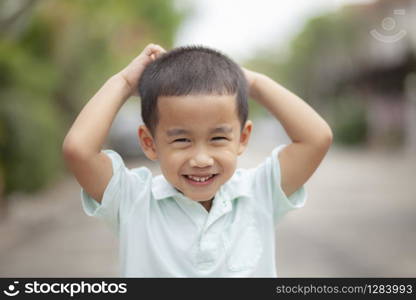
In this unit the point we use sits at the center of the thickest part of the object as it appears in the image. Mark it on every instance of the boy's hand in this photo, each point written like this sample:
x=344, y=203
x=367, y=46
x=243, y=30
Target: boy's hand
x=132, y=73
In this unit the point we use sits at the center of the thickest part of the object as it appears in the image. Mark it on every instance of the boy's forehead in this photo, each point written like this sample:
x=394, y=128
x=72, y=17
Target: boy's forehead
x=210, y=113
x=197, y=106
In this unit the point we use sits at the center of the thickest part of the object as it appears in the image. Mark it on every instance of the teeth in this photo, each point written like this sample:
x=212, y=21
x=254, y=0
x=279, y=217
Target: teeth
x=199, y=179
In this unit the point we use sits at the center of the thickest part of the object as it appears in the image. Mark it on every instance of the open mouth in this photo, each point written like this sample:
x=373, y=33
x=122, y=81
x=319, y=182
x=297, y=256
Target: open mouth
x=200, y=180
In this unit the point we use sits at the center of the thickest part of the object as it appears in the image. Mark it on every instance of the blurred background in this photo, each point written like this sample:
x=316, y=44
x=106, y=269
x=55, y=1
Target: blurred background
x=354, y=62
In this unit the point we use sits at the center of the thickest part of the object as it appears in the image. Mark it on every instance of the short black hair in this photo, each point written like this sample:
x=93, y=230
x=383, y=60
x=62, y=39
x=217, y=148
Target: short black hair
x=191, y=70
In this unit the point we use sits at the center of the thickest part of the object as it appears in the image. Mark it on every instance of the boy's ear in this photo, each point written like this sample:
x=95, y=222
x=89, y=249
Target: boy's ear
x=245, y=136
x=147, y=142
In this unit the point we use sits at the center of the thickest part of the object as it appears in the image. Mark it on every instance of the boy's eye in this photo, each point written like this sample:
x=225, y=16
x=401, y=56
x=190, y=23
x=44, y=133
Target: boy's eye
x=219, y=138
x=182, y=140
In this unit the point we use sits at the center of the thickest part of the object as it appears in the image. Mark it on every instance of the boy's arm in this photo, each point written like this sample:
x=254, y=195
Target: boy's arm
x=83, y=143
x=311, y=136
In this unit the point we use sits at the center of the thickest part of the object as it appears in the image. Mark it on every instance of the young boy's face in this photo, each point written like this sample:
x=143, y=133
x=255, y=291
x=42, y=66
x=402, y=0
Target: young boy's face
x=197, y=141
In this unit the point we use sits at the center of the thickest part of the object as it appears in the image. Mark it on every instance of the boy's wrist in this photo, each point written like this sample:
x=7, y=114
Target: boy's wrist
x=255, y=78
x=119, y=82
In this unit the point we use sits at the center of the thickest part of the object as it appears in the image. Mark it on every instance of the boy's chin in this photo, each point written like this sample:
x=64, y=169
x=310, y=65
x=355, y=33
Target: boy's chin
x=200, y=198
x=197, y=198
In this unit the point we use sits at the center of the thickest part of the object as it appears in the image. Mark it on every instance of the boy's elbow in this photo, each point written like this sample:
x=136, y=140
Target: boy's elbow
x=71, y=150
x=328, y=137
x=68, y=149
x=325, y=140
x=74, y=151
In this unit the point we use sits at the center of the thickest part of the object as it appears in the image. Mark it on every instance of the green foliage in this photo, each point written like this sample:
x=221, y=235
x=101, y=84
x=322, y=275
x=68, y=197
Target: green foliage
x=348, y=121
x=29, y=122
x=53, y=58
x=30, y=152
x=316, y=66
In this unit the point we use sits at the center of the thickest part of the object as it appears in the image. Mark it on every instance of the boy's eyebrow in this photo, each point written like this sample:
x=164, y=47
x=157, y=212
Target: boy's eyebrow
x=176, y=131
x=180, y=131
x=222, y=129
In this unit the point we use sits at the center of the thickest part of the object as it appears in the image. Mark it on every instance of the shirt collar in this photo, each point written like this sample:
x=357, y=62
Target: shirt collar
x=162, y=189
x=232, y=189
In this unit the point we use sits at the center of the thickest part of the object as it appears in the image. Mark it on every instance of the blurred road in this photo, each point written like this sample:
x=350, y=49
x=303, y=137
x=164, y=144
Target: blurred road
x=359, y=220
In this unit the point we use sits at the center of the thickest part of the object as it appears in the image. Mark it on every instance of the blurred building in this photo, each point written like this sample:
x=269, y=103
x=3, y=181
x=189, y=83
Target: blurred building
x=381, y=65
x=357, y=67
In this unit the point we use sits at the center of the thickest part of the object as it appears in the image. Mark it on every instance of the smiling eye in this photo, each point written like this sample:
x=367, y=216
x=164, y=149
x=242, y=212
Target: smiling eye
x=181, y=140
x=219, y=138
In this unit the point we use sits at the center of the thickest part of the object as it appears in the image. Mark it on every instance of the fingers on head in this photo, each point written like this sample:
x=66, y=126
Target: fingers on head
x=154, y=51
x=159, y=49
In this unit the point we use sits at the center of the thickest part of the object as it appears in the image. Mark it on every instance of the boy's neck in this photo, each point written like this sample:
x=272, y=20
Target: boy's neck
x=207, y=204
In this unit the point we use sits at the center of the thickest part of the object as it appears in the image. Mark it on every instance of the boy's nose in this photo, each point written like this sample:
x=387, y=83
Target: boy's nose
x=201, y=160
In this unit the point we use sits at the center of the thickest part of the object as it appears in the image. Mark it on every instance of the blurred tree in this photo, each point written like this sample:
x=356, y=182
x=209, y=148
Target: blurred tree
x=53, y=56
x=354, y=80
x=310, y=66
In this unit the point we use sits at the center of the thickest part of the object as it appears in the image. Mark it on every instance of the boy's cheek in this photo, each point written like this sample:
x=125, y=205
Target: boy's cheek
x=171, y=162
x=172, y=157
x=230, y=153
x=228, y=160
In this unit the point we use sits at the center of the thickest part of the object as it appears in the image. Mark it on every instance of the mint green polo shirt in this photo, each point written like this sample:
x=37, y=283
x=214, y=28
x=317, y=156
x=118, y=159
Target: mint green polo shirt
x=162, y=233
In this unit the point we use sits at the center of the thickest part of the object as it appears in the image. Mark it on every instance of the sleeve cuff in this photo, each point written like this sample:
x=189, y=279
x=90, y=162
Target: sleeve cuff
x=298, y=198
x=90, y=206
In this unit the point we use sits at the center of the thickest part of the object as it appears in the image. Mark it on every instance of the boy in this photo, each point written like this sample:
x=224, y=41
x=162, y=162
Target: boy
x=202, y=217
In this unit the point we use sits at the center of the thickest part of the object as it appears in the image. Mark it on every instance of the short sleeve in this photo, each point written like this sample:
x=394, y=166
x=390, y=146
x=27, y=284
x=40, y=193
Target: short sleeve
x=267, y=187
x=125, y=189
